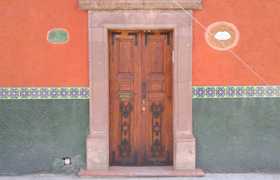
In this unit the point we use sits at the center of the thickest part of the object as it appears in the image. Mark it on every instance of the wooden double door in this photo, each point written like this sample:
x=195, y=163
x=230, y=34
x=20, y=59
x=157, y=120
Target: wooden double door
x=141, y=131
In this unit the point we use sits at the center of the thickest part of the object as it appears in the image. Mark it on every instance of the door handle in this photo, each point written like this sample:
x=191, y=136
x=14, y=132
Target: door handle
x=144, y=95
x=144, y=90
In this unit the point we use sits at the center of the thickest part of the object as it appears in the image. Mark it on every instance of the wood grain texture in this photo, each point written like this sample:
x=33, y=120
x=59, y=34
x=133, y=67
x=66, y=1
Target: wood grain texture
x=141, y=98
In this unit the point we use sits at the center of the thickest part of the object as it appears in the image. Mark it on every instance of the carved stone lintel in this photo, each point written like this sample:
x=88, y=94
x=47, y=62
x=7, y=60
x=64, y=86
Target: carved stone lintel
x=140, y=4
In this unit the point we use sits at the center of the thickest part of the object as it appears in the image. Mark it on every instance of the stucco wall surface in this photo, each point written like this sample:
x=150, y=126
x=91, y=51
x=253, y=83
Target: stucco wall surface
x=237, y=135
x=240, y=135
x=254, y=61
x=27, y=59
x=36, y=135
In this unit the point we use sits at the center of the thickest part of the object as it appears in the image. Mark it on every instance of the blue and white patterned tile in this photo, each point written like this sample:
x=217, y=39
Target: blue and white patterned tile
x=235, y=91
x=45, y=93
x=199, y=92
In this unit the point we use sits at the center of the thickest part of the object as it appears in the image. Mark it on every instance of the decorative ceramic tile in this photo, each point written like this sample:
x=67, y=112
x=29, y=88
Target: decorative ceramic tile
x=199, y=92
x=58, y=36
x=45, y=93
x=235, y=91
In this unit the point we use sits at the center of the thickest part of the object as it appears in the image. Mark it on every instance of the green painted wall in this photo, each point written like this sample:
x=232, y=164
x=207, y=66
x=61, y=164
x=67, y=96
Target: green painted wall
x=36, y=134
x=238, y=135
x=233, y=135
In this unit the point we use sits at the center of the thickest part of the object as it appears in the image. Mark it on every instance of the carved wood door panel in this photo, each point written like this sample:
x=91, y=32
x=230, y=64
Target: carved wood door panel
x=140, y=98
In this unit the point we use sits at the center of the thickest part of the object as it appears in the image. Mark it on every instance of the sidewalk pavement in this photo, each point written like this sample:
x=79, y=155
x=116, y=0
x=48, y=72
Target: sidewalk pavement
x=207, y=177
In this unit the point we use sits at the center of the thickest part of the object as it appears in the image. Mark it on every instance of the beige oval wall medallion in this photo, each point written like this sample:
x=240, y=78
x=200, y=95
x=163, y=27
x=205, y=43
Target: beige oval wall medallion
x=222, y=35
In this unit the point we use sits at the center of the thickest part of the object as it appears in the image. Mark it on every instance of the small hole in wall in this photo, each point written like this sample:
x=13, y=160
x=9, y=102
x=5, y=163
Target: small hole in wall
x=67, y=161
x=222, y=36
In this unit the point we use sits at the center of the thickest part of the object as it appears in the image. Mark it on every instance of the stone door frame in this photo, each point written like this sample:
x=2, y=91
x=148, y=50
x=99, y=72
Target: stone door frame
x=100, y=22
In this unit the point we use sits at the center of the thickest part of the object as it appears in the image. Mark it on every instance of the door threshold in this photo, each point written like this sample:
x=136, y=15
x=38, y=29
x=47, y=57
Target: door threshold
x=148, y=171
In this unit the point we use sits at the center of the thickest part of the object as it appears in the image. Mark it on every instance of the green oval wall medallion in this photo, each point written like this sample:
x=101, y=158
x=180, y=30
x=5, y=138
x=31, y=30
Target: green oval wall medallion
x=58, y=36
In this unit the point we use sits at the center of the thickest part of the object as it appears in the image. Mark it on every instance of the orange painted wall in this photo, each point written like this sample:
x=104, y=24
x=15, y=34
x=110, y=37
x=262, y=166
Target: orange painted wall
x=259, y=45
x=27, y=59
